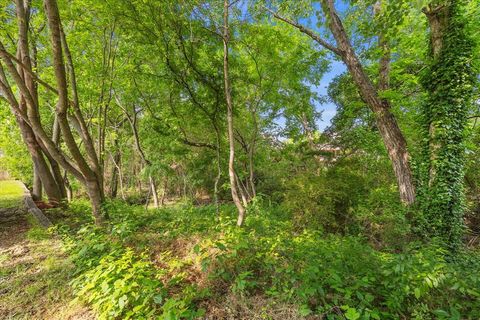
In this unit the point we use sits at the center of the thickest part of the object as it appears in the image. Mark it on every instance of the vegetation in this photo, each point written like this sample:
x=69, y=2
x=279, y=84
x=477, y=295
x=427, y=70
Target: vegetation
x=151, y=263
x=183, y=151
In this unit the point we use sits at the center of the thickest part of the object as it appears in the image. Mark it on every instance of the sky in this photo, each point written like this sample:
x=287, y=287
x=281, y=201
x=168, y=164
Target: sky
x=328, y=109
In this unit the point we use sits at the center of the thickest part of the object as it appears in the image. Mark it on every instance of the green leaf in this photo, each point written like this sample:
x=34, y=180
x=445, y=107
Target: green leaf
x=352, y=314
x=417, y=293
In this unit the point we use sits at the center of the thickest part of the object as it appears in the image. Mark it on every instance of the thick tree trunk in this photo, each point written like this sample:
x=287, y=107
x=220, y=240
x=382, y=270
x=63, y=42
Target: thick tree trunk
x=228, y=98
x=438, y=22
x=96, y=199
x=41, y=168
x=92, y=175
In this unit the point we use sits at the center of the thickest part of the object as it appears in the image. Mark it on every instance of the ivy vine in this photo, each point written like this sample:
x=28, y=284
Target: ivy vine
x=448, y=81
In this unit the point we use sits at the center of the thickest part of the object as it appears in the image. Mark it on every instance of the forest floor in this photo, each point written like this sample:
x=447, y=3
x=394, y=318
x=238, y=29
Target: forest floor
x=34, y=270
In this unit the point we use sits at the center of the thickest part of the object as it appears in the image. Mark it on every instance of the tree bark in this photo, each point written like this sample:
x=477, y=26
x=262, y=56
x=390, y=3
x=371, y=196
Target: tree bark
x=389, y=130
x=37, y=185
x=228, y=98
x=90, y=176
x=219, y=171
x=438, y=22
x=114, y=179
x=41, y=168
x=153, y=188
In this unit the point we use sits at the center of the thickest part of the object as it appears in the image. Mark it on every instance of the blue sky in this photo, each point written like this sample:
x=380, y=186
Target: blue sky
x=328, y=109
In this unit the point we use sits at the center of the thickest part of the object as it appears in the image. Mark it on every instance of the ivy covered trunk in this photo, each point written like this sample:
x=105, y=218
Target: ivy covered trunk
x=449, y=84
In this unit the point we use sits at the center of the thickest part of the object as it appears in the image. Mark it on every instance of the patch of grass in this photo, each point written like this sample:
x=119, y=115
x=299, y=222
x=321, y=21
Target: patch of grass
x=34, y=278
x=11, y=194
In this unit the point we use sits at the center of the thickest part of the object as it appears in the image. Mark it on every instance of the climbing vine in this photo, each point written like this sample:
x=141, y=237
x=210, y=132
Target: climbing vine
x=448, y=81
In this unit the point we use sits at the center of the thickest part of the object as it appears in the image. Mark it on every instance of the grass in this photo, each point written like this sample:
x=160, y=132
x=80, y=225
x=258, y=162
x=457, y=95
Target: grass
x=34, y=268
x=34, y=281
x=11, y=193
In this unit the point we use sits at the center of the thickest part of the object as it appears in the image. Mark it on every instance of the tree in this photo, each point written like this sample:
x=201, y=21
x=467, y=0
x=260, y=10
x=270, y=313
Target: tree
x=449, y=82
x=228, y=98
x=390, y=132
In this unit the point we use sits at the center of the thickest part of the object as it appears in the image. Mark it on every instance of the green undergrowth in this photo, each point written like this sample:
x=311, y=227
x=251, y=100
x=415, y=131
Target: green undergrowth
x=178, y=262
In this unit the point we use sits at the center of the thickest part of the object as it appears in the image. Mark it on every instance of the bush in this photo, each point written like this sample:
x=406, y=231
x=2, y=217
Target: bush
x=327, y=200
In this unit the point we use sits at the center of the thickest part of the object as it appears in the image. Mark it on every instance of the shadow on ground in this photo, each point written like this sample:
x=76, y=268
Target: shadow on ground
x=34, y=271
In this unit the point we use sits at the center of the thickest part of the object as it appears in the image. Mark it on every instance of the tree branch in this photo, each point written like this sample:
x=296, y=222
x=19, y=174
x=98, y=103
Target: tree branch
x=306, y=31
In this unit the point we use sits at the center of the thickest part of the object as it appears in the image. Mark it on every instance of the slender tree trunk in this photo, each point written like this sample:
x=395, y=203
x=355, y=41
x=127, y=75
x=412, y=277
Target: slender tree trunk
x=114, y=179
x=251, y=153
x=117, y=163
x=68, y=187
x=219, y=171
x=153, y=188
x=59, y=178
x=164, y=191
x=37, y=184
x=228, y=98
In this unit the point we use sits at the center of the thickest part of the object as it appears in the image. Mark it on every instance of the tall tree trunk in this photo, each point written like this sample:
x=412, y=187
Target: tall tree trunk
x=228, y=98
x=92, y=175
x=219, y=171
x=78, y=167
x=445, y=112
x=57, y=174
x=37, y=185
